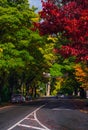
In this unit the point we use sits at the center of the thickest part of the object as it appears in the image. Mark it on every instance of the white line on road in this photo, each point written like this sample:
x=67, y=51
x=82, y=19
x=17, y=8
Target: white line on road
x=34, y=112
x=39, y=121
x=37, y=128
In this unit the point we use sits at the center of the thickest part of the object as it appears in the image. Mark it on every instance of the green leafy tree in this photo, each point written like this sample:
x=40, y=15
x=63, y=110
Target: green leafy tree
x=16, y=19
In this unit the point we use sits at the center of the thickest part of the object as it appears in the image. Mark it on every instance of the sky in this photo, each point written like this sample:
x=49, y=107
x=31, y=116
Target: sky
x=36, y=3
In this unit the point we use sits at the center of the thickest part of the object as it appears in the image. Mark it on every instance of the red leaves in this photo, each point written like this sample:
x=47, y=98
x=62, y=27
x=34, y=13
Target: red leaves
x=71, y=19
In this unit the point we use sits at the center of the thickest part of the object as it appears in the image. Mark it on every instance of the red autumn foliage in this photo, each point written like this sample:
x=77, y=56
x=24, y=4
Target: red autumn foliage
x=69, y=17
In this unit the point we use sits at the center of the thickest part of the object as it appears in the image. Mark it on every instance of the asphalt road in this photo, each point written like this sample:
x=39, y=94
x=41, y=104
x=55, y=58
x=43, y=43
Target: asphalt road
x=44, y=114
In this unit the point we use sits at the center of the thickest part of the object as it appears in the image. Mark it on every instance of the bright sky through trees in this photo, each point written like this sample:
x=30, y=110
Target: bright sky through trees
x=36, y=3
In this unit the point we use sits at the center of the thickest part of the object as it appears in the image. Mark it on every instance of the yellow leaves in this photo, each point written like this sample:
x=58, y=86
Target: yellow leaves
x=53, y=39
x=81, y=73
x=47, y=53
x=1, y=50
x=58, y=85
x=35, y=19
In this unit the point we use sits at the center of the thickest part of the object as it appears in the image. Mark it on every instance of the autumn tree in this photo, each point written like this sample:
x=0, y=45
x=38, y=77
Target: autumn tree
x=81, y=74
x=69, y=19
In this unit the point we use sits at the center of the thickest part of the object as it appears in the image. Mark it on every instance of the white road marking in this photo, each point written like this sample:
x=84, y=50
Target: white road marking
x=40, y=122
x=37, y=128
x=27, y=117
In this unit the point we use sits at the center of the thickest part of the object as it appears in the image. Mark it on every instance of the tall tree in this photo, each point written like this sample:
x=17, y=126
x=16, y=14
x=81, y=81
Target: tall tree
x=15, y=41
x=70, y=19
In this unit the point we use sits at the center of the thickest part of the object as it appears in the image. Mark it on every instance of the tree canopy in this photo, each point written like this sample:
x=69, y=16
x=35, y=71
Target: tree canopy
x=19, y=53
x=70, y=19
x=32, y=44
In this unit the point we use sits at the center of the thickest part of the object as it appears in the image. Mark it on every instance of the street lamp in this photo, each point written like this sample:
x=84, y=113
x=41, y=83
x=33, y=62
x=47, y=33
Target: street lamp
x=47, y=75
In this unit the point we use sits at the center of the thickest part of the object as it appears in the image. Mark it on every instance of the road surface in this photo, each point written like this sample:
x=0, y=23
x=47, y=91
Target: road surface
x=44, y=114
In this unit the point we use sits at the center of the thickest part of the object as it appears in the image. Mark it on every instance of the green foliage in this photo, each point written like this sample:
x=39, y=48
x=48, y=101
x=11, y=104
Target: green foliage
x=19, y=4
x=15, y=32
x=56, y=70
x=25, y=55
x=59, y=70
x=3, y=3
x=68, y=86
x=18, y=44
x=47, y=51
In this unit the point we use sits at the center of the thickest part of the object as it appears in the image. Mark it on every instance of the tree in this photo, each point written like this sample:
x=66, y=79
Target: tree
x=70, y=19
x=17, y=38
x=49, y=59
x=46, y=49
x=81, y=73
x=62, y=72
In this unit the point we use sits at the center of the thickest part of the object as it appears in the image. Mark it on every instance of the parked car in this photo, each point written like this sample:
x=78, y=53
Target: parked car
x=17, y=98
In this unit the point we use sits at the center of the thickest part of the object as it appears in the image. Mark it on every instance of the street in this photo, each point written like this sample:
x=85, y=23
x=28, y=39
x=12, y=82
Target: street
x=44, y=114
